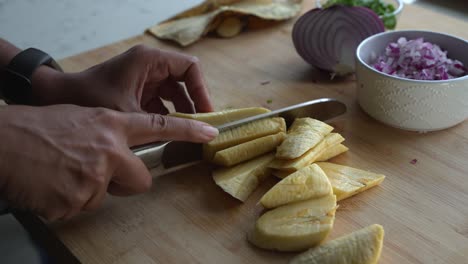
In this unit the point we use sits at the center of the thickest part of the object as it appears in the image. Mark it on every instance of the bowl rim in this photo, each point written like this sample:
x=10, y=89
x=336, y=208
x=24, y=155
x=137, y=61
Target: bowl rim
x=360, y=60
x=318, y=4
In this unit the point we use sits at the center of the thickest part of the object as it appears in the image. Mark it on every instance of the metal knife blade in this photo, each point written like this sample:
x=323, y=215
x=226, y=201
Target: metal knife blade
x=173, y=154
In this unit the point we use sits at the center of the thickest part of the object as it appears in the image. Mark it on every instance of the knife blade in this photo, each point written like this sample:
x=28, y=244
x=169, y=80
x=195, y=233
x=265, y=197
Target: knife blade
x=173, y=154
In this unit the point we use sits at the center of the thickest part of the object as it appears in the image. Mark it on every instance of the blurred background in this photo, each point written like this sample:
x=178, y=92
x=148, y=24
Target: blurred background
x=67, y=27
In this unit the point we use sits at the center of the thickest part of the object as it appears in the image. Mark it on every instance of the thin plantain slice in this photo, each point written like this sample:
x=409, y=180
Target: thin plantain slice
x=347, y=181
x=304, y=134
x=332, y=152
x=241, y=180
x=248, y=150
x=360, y=247
x=295, y=227
x=247, y=132
x=309, y=182
x=223, y=117
x=310, y=156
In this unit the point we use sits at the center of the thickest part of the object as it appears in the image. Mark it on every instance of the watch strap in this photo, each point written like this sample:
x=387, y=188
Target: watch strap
x=23, y=66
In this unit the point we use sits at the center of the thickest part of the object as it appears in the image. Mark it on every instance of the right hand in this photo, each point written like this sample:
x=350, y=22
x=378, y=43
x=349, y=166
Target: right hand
x=60, y=160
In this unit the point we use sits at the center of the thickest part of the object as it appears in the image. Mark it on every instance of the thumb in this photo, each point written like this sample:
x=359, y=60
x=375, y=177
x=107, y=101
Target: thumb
x=144, y=128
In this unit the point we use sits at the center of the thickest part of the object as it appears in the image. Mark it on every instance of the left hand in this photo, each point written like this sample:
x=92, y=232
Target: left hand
x=134, y=81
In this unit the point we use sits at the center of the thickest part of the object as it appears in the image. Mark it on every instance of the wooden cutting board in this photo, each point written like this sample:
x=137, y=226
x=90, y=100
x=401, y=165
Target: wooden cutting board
x=186, y=218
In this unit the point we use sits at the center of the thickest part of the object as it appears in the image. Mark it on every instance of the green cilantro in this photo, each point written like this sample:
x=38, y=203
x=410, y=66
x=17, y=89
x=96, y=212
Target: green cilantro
x=380, y=8
x=269, y=101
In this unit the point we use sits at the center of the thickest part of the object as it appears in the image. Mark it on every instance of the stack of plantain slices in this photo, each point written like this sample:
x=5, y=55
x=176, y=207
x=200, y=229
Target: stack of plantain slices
x=302, y=205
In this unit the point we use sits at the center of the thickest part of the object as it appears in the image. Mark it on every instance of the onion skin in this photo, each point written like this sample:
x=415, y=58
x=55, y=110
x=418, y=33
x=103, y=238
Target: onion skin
x=328, y=38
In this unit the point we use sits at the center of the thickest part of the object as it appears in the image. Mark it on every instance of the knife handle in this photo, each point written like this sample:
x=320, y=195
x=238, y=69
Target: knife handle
x=151, y=154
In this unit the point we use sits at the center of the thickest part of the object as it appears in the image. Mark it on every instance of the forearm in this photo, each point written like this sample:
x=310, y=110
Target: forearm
x=45, y=80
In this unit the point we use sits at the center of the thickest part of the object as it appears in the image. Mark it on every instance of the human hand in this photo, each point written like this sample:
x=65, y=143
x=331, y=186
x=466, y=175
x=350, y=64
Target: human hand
x=134, y=81
x=59, y=160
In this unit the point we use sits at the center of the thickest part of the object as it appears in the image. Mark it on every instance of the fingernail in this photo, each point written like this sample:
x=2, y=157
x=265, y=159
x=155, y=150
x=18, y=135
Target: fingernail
x=209, y=131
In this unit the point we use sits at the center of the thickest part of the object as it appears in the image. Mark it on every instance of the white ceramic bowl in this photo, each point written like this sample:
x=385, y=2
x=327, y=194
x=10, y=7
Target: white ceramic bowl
x=412, y=104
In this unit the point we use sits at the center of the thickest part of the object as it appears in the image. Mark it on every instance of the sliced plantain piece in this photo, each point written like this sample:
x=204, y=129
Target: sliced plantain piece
x=304, y=134
x=230, y=27
x=295, y=227
x=347, y=181
x=332, y=152
x=310, y=156
x=223, y=117
x=243, y=134
x=307, y=183
x=360, y=247
x=241, y=180
x=248, y=150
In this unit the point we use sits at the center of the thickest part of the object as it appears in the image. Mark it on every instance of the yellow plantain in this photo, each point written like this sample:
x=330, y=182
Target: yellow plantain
x=243, y=134
x=241, y=180
x=307, y=183
x=310, y=156
x=225, y=116
x=304, y=134
x=295, y=227
x=347, y=181
x=332, y=151
x=248, y=150
x=360, y=247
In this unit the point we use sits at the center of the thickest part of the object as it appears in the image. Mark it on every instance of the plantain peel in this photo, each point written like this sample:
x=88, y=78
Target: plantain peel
x=189, y=26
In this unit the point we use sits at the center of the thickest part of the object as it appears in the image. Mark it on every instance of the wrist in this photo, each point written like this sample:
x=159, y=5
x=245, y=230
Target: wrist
x=47, y=85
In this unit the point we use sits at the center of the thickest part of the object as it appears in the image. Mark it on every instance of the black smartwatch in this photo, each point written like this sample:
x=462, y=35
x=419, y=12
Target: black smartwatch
x=15, y=78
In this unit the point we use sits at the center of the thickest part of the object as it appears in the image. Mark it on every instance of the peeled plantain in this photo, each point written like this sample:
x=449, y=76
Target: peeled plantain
x=243, y=134
x=310, y=156
x=347, y=181
x=230, y=27
x=360, y=247
x=248, y=150
x=307, y=183
x=225, y=116
x=241, y=180
x=295, y=227
x=304, y=134
x=332, y=152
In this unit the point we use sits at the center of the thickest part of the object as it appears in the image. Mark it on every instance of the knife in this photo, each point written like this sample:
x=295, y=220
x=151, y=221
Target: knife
x=171, y=155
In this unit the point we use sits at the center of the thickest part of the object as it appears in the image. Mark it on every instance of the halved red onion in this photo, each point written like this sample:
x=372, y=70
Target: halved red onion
x=328, y=38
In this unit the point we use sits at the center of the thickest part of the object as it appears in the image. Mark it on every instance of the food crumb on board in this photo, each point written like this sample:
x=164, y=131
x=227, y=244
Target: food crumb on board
x=414, y=161
x=269, y=101
x=265, y=82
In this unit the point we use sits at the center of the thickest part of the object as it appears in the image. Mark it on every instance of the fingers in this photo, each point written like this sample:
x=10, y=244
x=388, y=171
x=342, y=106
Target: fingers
x=143, y=128
x=187, y=69
x=130, y=177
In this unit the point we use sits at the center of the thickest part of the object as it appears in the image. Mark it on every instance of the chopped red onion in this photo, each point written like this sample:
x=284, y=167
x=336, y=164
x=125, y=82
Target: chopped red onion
x=419, y=60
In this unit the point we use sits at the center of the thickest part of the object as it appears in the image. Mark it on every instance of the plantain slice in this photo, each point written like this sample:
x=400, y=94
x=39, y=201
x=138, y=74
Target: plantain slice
x=241, y=180
x=243, y=134
x=307, y=183
x=248, y=150
x=347, y=181
x=310, y=156
x=295, y=227
x=223, y=117
x=304, y=134
x=360, y=247
x=332, y=152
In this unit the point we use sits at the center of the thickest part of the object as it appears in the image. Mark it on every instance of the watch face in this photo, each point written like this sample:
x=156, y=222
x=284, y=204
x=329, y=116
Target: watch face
x=15, y=87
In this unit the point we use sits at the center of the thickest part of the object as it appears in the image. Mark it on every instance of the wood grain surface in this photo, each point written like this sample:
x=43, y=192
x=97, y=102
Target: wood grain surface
x=186, y=218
